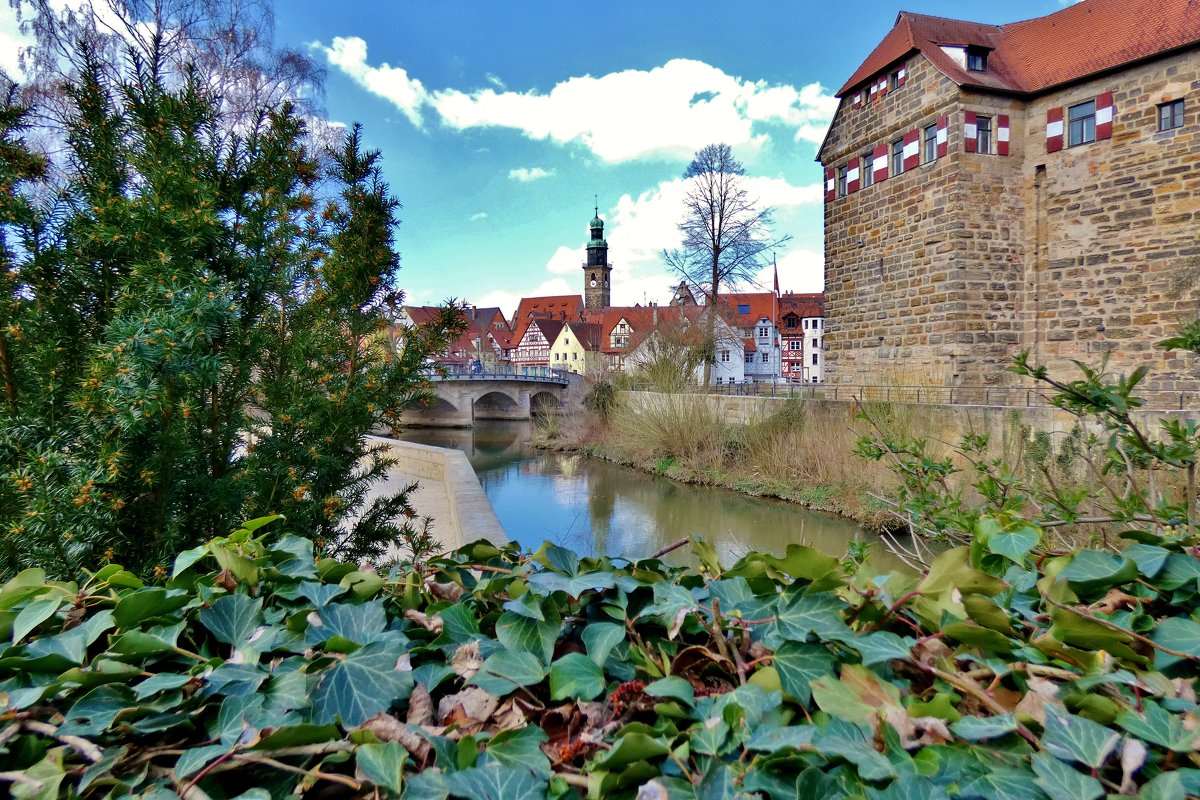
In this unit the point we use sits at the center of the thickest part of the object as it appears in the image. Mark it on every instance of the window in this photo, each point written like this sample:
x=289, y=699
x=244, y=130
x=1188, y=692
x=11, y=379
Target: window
x=574, y=356
x=841, y=190
x=766, y=357
x=725, y=356
x=814, y=359
x=566, y=340
x=815, y=345
x=743, y=308
x=983, y=134
x=866, y=170
x=749, y=358
x=1081, y=123
x=976, y=60
x=930, y=143
x=1170, y=115
x=764, y=333
x=894, y=81
x=805, y=324
x=621, y=327
x=795, y=344
x=897, y=156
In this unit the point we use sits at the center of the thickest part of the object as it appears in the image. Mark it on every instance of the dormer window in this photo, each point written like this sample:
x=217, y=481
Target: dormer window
x=976, y=59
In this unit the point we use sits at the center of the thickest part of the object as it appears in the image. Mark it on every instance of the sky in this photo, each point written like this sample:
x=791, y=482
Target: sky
x=502, y=123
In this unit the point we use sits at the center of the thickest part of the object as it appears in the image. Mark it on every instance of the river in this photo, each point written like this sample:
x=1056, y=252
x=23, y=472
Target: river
x=594, y=506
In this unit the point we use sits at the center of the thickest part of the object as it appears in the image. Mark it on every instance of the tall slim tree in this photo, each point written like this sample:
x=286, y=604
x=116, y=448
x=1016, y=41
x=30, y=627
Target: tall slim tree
x=726, y=233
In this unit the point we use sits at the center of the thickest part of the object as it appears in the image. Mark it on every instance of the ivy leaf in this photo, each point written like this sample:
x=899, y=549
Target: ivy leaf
x=1063, y=782
x=361, y=623
x=1149, y=558
x=35, y=614
x=820, y=614
x=575, y=676
x=1159, y=726
x=517, y=632
x=1094, y=571
x=600, y=638
x=383, y=765
x=233, y=618
x=768, y=739
x=631, y=748
x=1004, y=784
x=799, y=665
x=878, y=647
x=494, y=782
x=574, y=585
x=978, y=729
x=361, y=685
x=1177, y=633
x=1069, y=736
x=505, y=670
x=1014, y=544
x=143, y=604
x=854, y=744
x=672, y=687
x=520, y=749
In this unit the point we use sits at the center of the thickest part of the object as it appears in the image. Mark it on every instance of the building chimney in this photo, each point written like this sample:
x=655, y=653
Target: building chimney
x=655, y=314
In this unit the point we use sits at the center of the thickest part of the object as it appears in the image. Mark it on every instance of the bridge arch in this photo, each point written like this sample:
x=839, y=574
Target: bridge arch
x=543, y=401
x=497, y=404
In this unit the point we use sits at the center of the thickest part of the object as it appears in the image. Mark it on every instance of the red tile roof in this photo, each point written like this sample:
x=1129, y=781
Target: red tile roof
x=1036, y=54
x=805, y=305
x=759, y=305
x=587, y=334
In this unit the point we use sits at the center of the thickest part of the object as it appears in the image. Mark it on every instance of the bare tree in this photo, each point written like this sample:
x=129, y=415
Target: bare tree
x=726, y=233
x=228, y=45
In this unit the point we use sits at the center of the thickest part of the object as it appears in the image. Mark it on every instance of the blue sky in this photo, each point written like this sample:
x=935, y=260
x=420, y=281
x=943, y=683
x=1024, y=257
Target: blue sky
x=499, y=122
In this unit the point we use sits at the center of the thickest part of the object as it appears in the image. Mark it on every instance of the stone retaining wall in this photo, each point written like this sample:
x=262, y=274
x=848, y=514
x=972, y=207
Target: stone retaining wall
x=951, y=421
x=449, y=492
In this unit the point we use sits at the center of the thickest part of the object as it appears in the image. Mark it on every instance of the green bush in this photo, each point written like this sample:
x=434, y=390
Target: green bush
x=486, y=673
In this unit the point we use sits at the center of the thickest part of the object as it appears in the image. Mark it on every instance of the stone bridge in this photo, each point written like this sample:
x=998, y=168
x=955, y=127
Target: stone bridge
x=463, y=395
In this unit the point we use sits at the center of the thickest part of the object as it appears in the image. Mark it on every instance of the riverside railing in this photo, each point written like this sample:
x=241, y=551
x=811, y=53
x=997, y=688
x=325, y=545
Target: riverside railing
x=462, y=372
x=1000, y=396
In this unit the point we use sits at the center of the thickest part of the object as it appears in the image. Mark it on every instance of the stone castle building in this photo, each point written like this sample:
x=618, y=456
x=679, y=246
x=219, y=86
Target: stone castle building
x=1035, y=185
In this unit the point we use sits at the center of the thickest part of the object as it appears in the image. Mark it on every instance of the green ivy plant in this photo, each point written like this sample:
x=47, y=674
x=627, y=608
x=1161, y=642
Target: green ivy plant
x=258, y=670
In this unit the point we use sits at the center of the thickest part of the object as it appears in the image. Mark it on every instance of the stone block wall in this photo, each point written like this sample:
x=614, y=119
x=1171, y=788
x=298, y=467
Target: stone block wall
x=942, y=274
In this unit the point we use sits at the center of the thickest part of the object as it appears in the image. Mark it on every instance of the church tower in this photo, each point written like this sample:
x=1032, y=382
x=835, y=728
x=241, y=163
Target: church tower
x=597, y=291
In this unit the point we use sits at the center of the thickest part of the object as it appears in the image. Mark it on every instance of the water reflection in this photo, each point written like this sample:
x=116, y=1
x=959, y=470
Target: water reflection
x=593, y=506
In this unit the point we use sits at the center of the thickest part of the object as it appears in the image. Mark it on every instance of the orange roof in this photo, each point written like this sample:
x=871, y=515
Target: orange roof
x=1036, y=54
x=804, y=305
x=749, y=345
x=570, y=305
x=587, y=334
x=758, y=305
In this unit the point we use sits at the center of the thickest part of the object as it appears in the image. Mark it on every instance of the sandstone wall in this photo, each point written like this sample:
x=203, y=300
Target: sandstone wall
x=942, y=274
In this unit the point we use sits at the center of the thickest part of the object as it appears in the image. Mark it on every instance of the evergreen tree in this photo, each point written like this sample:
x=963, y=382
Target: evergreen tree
x=196, y=343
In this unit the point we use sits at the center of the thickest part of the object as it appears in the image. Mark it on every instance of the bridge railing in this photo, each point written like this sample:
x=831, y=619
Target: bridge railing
x=1003, y=396
x=464, y=372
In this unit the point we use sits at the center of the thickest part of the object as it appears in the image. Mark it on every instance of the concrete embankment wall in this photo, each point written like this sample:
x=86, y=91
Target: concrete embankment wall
x=449, y=491
x=945, y=422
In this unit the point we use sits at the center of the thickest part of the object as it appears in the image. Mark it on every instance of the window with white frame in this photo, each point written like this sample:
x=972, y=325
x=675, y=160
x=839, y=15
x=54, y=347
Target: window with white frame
x=725, y=356
x=764, y=332
x=1081, y=123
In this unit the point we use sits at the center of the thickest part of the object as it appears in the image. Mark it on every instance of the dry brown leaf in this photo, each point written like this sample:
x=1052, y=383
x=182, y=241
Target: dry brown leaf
x=652, y=790
x=917, y=731
x=510, y=715
x=444, y=591
x=420, y=706
x=1133, y=756
x=389, y=729
x=470, y=706
x=930, y=652
x=1041, y=693
x=1114, y=601
x=467, y=660
x=1185, y=689
x=427, y=622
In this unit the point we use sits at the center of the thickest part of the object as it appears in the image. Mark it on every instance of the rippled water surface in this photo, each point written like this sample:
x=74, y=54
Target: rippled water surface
x=593, y=506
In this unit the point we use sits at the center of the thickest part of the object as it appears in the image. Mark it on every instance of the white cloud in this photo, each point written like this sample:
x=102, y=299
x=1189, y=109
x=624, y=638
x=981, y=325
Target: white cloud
x=481, y=215
x=665, y=112
x=507, y=301
x=349, y=54
x=527, y=174
x=565, y=261
x=494, y=80
x=12, y=41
